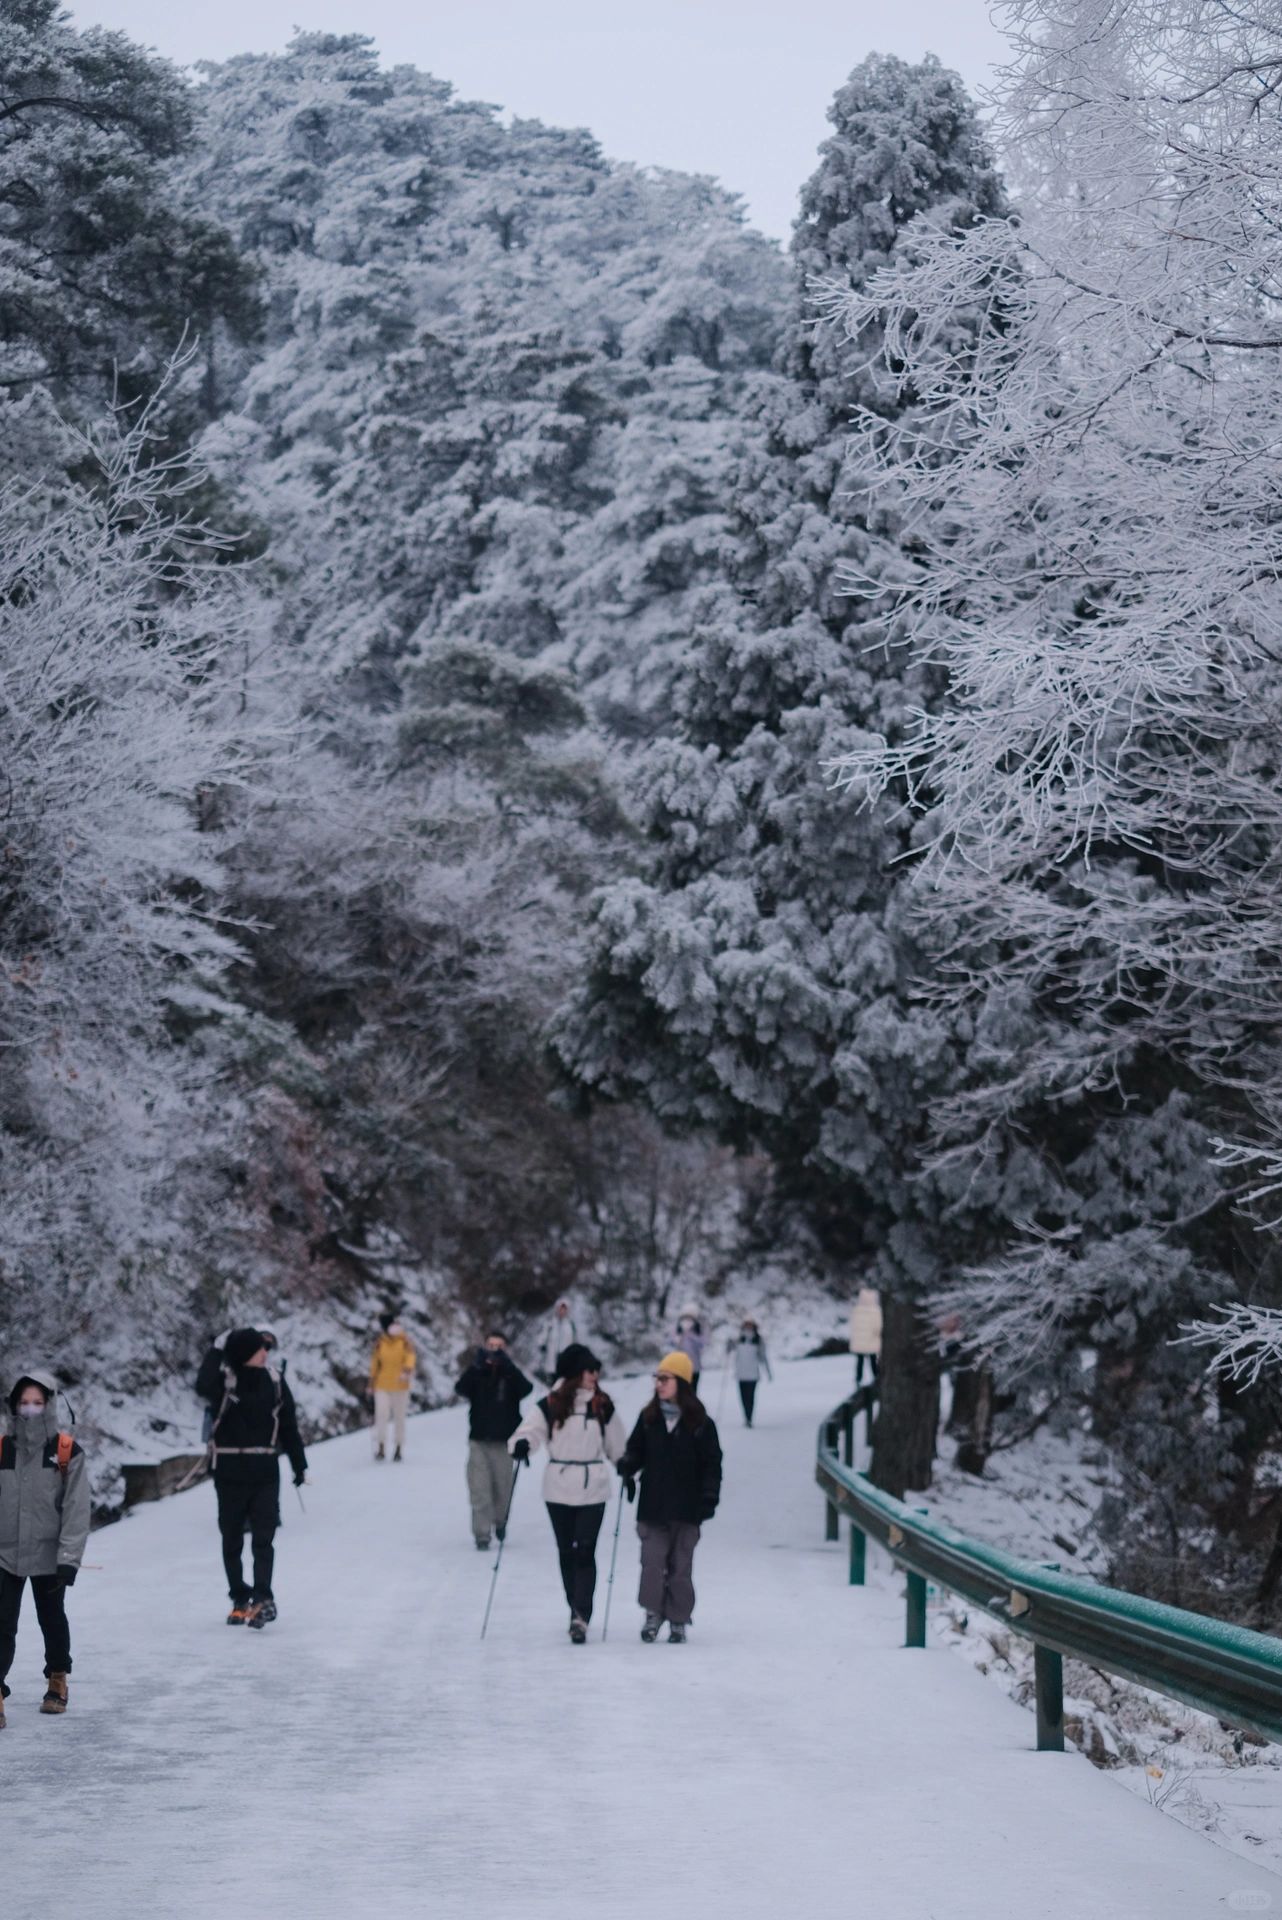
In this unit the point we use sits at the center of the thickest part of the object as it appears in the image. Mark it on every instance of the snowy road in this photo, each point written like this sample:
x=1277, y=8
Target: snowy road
x=367, y=1755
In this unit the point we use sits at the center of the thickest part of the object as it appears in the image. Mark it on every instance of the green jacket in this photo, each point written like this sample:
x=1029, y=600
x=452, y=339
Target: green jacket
x=44, y=1512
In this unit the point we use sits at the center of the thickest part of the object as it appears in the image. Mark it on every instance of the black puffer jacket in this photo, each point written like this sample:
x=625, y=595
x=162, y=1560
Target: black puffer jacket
x=256, y=1421
x=680, y=1471
x=494, y=1389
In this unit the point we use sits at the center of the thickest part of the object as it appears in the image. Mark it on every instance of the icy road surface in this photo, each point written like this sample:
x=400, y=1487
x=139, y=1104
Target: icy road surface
x=367, y=1755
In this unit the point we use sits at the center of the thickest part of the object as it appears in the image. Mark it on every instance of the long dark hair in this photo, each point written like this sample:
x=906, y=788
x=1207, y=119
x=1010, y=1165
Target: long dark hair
x=693, y=1412
x=560, y=1403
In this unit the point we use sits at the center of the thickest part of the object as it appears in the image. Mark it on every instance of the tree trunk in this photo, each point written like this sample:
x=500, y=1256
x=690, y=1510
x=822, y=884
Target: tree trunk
x=977, y=1438
x=903, y=1441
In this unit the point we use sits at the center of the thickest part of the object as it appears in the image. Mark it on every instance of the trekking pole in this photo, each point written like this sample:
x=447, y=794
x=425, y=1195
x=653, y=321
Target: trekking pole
x=614, y=1554
x=516, y=1474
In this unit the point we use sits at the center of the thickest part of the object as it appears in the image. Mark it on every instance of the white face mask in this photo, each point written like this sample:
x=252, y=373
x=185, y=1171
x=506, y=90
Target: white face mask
x=30, y=1413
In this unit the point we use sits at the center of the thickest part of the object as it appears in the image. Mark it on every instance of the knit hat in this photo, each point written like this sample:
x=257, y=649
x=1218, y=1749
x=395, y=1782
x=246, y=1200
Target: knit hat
x=679, y=1363
x=241, y=1346
x=576, y=1359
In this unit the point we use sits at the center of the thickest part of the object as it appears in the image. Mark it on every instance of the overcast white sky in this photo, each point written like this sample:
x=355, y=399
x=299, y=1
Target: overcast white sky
x=737, y=88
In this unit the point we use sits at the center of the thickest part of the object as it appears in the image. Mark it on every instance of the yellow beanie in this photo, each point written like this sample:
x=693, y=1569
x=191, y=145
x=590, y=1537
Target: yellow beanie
x=680, y=1364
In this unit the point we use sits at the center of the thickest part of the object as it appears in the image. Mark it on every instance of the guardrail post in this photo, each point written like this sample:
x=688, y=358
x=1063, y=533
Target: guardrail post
x=1048, y=1684
x=848, y=1438
x=915, y=1634
x=858, y=1555
x=831, y=1529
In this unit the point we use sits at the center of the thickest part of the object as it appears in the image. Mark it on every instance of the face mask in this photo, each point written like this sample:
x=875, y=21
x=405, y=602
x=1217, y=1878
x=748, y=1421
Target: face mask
x=30, y=1413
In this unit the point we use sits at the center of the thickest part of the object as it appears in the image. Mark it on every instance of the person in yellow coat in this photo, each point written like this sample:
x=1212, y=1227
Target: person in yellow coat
x=390, y=1373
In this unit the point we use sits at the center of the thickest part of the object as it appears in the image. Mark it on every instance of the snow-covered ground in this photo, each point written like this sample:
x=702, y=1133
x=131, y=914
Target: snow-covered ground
x=368, y=1754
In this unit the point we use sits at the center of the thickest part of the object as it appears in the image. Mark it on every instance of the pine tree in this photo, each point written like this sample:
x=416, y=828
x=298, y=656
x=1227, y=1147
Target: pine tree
x=755, y=981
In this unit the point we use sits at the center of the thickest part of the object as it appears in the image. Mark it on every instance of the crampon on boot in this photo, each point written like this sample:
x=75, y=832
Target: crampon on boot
x=55, y=1700
x=260, y=1612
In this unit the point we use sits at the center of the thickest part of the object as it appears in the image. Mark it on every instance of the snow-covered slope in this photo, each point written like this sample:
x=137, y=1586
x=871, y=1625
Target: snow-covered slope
x=368, y=1754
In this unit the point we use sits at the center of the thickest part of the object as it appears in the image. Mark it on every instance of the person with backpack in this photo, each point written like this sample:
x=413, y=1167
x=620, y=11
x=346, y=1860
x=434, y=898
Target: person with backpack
x=494, y=1387
x=675, y=1451
x=44, y=1524
x=688, y=1339
x=391, y=1372
x=255, y=1423
x=750, y=1362
x=578, y=1425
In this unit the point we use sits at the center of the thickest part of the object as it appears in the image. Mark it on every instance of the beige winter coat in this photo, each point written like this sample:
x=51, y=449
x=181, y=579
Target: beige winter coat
x=865, y=1322
x=579, y=1453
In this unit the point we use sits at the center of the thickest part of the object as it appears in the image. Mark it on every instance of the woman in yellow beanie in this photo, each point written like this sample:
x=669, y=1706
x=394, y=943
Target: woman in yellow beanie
x=675, y=1450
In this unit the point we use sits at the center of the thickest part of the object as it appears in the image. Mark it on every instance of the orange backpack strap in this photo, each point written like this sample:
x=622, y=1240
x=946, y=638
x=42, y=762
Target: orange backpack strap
x=63, y=1451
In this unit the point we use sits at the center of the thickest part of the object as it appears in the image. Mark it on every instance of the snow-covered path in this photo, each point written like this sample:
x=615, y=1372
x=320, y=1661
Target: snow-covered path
x=368, y=1755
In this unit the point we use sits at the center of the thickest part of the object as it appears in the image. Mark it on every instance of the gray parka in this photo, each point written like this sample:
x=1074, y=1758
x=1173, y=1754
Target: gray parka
x=44, y=1513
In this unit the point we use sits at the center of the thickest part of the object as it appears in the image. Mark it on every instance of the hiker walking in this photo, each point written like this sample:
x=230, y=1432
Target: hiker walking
x=494, y=1387
x=582, y=1433
x=44, y=1523
x=391, y=1372
x=675, y=1450
x=865, y=1332
x=748, y=1353
x=255, y=1423
x=559, y=1333
x=688, y=1339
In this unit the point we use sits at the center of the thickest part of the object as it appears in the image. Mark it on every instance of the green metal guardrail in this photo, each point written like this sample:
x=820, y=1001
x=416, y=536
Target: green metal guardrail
x=1222, y=1669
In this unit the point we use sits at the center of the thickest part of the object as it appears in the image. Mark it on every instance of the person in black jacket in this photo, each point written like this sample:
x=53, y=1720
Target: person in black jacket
x=254, y=1423
x=494, y=1387
x=675, y=1450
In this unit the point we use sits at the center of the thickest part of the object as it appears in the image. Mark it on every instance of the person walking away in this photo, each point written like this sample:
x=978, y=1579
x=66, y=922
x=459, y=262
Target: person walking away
x=559, y=1333
x=391, y=1372
x=750, y=1362
x=583, y=1434
x=865, y=1332
x=675, y=1450
x=255, y=1423
x=494, y=1387
x=689, y=1340
x=44, y=1523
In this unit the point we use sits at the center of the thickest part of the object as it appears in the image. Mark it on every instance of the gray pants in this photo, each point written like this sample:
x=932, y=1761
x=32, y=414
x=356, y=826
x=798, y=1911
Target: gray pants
x=489, y=1484
x=667, y=1560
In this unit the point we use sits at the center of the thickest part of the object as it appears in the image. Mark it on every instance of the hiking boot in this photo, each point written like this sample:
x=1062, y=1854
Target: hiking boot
x=55, y=1700
x=676, y=1635
x=578, y=1630
x=482, y=1546
x=650, y=1631
x=260, y=1612
x=239, y=1614
x=380, y=1453
x=397, y=1454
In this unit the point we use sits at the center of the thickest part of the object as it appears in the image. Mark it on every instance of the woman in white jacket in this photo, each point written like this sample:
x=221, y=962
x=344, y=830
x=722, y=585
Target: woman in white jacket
x=577, y=1424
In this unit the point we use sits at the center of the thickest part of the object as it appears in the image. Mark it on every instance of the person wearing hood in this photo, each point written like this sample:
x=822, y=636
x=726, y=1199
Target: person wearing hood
x=255, y=1423
x=688, y=1339
x=44, y=1523
x=577, y=1424
x=675, y=1451
x=391, y=1373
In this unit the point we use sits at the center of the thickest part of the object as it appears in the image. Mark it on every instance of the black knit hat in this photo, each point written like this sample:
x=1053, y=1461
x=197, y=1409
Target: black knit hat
x=576, y=1359
x=241, y=1346
x=386, y=1320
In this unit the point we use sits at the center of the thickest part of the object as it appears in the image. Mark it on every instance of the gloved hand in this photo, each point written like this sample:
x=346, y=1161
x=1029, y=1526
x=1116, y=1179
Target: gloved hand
x=706, y=1513
x=300, y=1479
x=521, y=1452
x=629, y=1487
x=67, y=1575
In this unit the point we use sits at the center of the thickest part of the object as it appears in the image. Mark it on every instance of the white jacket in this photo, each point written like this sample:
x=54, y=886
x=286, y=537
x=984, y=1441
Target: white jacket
x=750, y=1359
x=865, y=1322
x=579, y=1453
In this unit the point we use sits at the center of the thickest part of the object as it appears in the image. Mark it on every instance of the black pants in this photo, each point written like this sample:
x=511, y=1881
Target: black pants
x=253, y=1508
x=51, y=1611
x=748, y=1395
x=873, y=1364
x=576, y=1530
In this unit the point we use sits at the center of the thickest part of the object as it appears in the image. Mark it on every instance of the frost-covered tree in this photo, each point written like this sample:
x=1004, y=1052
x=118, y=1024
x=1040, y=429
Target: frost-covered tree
x=753, y=981
x=1090, y=491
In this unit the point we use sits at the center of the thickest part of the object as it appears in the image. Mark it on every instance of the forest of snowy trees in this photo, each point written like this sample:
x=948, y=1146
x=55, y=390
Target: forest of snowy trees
x=548, y=743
